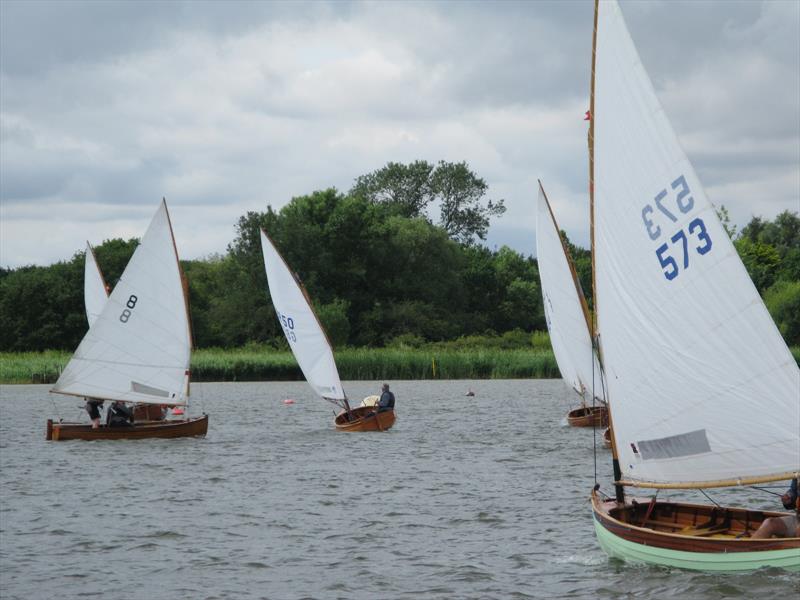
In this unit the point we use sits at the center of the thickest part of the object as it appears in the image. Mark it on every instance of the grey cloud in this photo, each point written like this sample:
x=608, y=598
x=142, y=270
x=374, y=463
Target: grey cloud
x=223, y=106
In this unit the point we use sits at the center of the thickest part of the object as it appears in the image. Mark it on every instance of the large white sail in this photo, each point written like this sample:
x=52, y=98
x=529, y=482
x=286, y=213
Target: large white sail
x=701, y=386
x=563, y=308
x=139, y=348
x=306, y=337
x=95, y=293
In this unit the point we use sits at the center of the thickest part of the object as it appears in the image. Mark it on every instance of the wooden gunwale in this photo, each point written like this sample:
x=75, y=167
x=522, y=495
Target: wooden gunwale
x=367, y=419
x=197, y=426
x=723, y=539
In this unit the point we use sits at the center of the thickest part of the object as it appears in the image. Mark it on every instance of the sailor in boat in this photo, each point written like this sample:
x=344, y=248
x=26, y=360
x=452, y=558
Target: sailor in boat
x=93, y=406
x=788, y=526
x=120, y=415
x=387, y=399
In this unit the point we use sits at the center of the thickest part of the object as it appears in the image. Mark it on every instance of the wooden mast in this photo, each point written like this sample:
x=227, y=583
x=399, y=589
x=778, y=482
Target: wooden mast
x=185, y=290
x=618, y=487
x=575, y=280
x=97, y=266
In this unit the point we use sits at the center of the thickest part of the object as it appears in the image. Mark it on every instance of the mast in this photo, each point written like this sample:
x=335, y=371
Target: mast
x=570, y=263
x=618, y=487
x=97, y=266
x=185, y=290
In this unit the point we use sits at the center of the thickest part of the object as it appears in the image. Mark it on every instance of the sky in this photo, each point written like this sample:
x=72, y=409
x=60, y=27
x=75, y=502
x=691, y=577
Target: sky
x=227, y=107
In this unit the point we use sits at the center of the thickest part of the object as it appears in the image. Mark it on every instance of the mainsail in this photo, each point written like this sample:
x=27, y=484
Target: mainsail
x=703, y=390
x=95, y=293
x=306, y=337
x=139, y=348
x=564, y=307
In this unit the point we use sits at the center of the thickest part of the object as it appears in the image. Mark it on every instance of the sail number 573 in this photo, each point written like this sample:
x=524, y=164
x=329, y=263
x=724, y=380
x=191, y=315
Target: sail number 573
x=683, y=201
x=673, y=256
x=680, y=241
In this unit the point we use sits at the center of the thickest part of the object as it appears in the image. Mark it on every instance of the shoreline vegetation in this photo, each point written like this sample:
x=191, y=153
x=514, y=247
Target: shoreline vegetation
x=258, y=363
x=261, y=364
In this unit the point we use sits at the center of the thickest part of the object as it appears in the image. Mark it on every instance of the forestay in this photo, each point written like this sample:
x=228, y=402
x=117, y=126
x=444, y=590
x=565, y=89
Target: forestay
x=563, y=307
x=702, y=388
x=139, y=348
x=95, y=294
x=306, y=337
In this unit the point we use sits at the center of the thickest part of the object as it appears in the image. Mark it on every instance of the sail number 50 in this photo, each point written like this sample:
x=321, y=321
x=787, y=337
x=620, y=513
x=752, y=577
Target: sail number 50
x=126, y=313
x=288, y=326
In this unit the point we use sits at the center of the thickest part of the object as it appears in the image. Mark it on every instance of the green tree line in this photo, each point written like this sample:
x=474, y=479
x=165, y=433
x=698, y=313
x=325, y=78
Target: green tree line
x=396, y=260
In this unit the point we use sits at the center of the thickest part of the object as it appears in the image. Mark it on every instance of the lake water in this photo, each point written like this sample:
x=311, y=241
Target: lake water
x=482, y=497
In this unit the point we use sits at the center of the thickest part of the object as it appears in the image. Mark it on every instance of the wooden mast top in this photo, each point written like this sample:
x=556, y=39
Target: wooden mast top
x=595, y=337
x=575, y=280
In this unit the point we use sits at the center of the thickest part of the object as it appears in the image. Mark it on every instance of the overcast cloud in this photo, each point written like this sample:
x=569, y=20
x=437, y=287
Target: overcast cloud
x=222, y=108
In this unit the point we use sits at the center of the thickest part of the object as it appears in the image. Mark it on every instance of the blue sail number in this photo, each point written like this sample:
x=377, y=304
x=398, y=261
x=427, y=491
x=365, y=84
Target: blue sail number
x=288, y=326
x=681, y=241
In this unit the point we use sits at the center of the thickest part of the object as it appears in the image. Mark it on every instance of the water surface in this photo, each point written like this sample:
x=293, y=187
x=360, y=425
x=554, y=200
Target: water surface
x=482, y=497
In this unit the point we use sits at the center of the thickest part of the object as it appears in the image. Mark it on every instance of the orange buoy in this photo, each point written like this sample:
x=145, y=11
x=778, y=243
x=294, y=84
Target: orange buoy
x=288, y=401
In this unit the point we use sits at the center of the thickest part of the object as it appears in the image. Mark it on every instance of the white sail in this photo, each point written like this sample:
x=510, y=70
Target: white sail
x=95, y=293
x=139, y=348
x=306, y=337
x=701, y=386
x=563, y=308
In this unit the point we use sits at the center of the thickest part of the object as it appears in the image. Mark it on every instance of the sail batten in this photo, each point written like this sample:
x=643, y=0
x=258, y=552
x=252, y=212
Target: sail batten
x=142, y=334
x=300, y=325
x=687, y=343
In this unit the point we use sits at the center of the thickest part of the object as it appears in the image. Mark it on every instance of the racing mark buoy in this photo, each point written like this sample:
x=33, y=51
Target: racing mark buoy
x=288, y=401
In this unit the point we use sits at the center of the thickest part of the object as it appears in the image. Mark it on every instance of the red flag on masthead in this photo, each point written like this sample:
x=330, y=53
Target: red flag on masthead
x=588, y=116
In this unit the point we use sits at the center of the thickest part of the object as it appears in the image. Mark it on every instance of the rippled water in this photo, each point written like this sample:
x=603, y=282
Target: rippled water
x=483, y=497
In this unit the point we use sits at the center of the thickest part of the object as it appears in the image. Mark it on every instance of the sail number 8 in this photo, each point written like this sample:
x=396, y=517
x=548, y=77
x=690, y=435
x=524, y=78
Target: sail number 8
x=126, y=313
x=288, y=326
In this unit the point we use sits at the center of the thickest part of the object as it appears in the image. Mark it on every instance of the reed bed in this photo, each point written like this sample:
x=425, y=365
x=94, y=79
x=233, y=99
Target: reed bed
x=32, y=367
x=254, y=363
x=266, y=364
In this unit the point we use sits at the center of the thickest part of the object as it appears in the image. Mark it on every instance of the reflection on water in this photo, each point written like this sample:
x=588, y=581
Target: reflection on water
x=466, y=497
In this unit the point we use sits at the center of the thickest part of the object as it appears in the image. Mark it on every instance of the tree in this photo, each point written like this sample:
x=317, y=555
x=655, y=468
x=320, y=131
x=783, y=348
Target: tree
x=411, y=190
x=783, y=302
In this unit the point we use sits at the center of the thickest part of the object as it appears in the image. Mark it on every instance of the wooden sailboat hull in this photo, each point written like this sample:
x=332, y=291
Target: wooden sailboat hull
x=588, y=416
x=364, y=418
x=150, y=429
x=690, y=536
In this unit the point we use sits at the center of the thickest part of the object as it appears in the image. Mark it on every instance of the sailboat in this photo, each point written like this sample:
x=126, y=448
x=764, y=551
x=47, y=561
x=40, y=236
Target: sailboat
x=701, y=387
x=311, y=346
x=567, y=316
x=95, y=290
x=95, y=296
x=139, y=348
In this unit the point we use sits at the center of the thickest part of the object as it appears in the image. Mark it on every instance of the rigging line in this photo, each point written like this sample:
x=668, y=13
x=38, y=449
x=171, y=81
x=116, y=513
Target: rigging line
x=594, y=424
x=767, y=490
x=714, y=502
x=55, y=406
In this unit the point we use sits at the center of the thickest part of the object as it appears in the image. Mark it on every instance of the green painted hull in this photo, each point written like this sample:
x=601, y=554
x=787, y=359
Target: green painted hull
x=696, y=561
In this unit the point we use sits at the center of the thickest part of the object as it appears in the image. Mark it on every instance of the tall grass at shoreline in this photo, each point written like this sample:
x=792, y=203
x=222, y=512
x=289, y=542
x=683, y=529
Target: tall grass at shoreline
x=254, y=363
